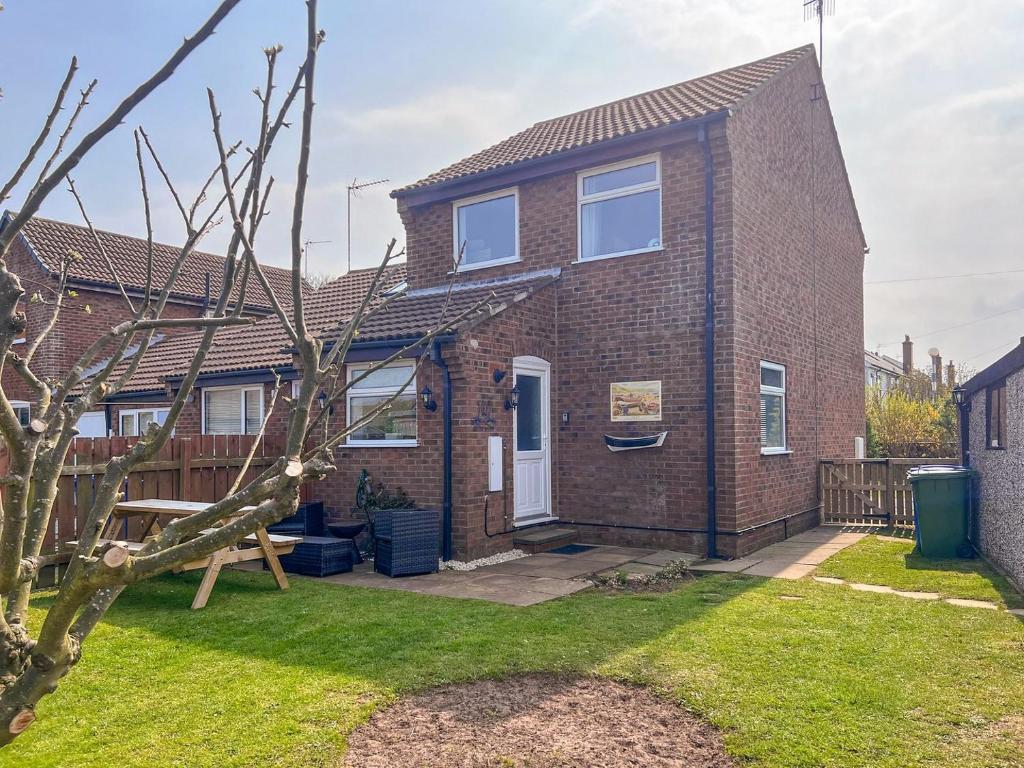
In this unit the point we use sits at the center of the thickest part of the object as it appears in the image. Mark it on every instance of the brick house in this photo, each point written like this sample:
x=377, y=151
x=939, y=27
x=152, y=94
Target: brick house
x=36, y=257
x=682, y=267
x=992, y=444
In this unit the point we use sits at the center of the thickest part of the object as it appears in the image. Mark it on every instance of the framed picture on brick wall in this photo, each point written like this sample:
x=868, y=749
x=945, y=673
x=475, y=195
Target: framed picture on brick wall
x=636, y=401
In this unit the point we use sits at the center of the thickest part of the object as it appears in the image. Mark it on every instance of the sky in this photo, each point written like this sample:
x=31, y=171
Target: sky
x=927, y=96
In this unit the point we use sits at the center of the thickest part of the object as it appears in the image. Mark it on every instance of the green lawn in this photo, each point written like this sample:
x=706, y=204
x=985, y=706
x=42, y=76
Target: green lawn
x=260, y=677
x=897, y=564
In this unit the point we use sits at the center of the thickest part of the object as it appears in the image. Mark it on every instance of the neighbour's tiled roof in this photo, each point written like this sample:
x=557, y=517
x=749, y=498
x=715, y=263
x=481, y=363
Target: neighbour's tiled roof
x=265, y=345
x=260, y=346
x=664, y=106
x=51, y=240
x=883, y=362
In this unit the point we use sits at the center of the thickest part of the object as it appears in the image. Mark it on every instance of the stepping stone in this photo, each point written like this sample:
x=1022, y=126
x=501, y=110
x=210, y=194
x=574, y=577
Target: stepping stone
x=829, y=580
x=790, y=597
x=873, y=588
x=919, y=595
x=1016, y=612
x=780, y=568
x=725, y=566
x=972, y=603
x=666, y=556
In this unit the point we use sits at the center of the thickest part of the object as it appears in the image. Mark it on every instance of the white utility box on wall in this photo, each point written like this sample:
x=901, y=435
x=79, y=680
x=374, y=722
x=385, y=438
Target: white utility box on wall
x=495, y=447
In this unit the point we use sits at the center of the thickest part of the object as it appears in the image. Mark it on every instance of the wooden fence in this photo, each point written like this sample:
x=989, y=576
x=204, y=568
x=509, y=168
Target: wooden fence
x=869, y=491
x=200, y=468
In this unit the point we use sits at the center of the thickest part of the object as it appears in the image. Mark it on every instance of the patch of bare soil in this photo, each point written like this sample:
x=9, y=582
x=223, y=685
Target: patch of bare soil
x=536, y=721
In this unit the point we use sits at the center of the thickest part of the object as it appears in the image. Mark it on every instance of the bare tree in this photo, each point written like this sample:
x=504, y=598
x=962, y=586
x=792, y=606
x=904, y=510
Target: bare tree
x=34, y=659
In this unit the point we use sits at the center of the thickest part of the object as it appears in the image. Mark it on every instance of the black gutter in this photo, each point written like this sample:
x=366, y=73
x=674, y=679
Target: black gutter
x=709, y=339
x=550, y=164
x=446, y=499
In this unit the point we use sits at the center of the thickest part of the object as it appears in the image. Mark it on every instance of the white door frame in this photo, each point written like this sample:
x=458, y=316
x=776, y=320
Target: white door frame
x=534, y=366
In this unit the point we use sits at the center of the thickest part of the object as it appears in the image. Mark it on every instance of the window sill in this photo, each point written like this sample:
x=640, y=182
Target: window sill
x=607, y=256
x=776, y=452
x=485, y=265
x=382, y=444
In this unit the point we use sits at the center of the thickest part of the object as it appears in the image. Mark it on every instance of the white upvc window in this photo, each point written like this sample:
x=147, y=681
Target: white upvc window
x=773, y=408
x=619, y=209
x=232, y=410
x=395, y=425
x=489, y=227
x=23, y=410
x=134, y=422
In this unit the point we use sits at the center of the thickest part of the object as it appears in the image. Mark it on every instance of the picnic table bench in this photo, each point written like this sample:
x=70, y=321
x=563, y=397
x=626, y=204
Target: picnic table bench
x=259, y=545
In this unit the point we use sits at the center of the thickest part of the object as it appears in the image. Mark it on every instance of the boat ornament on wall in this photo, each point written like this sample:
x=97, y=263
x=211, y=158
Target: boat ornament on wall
x=636, y=401
x=617, y=444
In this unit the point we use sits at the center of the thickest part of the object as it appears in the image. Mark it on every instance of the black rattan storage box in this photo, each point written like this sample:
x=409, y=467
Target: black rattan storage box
x=407, y=541
x=319, y=556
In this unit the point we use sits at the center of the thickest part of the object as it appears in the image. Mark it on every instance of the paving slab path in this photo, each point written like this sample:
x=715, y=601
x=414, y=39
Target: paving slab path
x=793, y=558
x=525, y=581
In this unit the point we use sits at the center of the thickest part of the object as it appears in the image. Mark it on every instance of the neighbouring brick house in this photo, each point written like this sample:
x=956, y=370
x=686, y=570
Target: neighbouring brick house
x=36, y=257
x=993, y=445
x=600, y=241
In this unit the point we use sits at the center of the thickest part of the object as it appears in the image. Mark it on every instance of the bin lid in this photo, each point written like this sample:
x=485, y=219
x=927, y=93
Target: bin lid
x=937, y=472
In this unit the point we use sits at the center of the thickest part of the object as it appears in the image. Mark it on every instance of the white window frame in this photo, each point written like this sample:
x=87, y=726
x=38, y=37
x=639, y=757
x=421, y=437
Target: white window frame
x=135, y=412
x=457, y=244
x=597, y=197
x=781, y=392
x=241, y=405
x=379, y=391
x=16, y=404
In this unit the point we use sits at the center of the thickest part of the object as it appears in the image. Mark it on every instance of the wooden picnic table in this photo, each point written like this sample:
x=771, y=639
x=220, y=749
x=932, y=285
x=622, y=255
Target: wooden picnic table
x=264, y=546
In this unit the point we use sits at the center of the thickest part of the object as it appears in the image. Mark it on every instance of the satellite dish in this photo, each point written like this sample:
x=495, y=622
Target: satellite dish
x=933, y=352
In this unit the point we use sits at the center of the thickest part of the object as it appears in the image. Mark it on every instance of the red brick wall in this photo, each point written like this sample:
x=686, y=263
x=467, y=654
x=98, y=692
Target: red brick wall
x=798, y=283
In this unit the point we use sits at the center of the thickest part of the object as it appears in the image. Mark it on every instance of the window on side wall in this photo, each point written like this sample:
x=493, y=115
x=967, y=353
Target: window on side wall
x=232, y=410
x=395, y=424
x=773, y=408
x=995, y=410
x=489, y=227
x=135, y=421
x=620, y=209
x=23, y=411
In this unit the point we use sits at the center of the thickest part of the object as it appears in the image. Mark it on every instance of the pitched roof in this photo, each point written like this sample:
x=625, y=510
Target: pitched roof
x=664, y=106
x=51, y=240
x=883, y=362
x=1006, y=365
x=263, y=345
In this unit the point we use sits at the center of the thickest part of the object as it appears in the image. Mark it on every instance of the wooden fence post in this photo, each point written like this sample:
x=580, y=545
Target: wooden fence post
x=890, y=494
x=185, y=468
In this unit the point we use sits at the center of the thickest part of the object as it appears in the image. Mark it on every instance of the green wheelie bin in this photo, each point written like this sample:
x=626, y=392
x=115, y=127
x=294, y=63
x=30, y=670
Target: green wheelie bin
x=942, y=503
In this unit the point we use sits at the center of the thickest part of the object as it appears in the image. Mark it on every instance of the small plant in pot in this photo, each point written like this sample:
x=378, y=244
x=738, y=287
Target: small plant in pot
x=369, y=501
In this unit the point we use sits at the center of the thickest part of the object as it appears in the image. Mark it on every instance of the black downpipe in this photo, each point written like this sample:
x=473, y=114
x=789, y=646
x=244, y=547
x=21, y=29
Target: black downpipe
x=446, y=499
x=709, y=338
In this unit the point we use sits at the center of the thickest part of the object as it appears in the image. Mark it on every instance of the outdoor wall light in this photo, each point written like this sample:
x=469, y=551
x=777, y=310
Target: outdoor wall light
x=499, y=375
x=959, y=396
x=513, y=399
x=428, y=402
x=321, y=400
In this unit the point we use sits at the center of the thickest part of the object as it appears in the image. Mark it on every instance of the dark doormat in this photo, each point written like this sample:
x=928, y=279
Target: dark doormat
x=571, y=549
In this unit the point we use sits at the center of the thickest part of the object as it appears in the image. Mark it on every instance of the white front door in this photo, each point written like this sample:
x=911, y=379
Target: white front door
x=531, y=440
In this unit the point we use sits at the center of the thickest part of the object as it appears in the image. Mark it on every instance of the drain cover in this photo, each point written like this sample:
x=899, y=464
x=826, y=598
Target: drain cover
x=571, y=549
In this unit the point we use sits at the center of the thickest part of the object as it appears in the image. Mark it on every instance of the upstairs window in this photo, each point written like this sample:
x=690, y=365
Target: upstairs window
x=773, y=408
x=620, y=209
x=489, y=227
x=232, y=410
x=394, y=424
x=995, y=409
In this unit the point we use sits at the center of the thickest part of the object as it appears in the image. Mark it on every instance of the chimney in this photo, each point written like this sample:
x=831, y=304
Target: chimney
x=908, y=356
x=933, y=353
x=950, y=375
